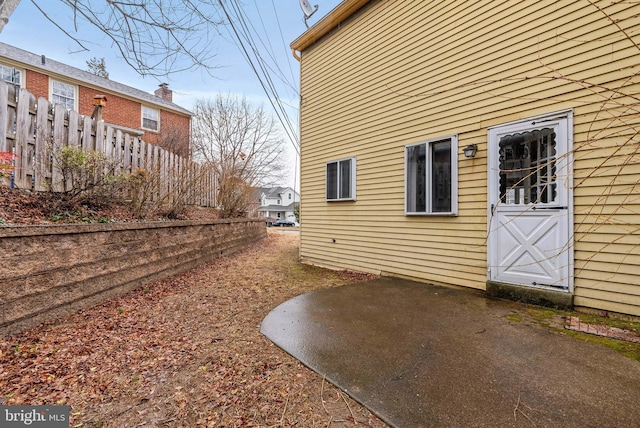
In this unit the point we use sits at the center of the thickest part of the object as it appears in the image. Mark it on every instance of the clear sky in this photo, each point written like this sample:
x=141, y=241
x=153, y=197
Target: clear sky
x=274, y=24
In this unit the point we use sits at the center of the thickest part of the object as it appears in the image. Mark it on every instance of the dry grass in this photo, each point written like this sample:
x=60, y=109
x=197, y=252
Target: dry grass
x=184, y=352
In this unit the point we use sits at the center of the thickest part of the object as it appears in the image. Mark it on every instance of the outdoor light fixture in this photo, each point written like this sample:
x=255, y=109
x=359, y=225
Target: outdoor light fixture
x=470, y=150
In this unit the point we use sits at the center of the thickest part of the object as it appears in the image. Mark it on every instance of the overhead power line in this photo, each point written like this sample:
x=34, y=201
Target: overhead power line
x=244, y=28
x=245, y=41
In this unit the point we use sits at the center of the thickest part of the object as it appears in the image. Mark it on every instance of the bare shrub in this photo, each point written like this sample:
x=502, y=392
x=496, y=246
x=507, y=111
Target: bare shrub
x=87, y=177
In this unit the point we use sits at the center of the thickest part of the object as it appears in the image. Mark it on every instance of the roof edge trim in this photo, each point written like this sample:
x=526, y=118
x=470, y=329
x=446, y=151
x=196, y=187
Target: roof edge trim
x=330, y=21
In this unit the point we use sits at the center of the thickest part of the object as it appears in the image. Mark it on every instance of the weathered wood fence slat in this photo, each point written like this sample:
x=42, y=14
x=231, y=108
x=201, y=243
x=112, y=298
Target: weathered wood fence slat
x=34, y=129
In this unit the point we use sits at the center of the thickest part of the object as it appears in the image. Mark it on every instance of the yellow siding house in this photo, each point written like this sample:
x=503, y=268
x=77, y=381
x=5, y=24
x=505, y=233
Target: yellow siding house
x=492, y=145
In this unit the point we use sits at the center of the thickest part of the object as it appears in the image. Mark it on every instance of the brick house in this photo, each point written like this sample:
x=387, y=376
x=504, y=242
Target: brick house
x=153, y=116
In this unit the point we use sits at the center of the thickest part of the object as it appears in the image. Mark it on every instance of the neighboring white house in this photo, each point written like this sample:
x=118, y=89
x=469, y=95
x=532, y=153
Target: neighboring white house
x=277, y=203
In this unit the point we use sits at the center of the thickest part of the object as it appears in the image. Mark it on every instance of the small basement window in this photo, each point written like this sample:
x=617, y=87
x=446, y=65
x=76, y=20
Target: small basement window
x=341, y=180
x=431, y=182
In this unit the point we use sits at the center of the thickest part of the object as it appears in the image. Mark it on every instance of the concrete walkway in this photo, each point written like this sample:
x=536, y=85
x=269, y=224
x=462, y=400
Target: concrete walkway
x=420, y=356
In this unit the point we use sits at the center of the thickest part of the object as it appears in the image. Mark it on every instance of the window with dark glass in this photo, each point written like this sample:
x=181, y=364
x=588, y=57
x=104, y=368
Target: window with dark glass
x=341, y=180
x=430, y=177
x=528, y=167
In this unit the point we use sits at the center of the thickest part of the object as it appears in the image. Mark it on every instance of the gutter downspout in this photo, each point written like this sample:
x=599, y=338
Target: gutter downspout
x=295, y=55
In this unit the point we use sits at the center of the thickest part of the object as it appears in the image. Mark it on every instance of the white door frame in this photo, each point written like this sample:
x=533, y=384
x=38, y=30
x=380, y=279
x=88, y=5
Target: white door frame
x=564, y=173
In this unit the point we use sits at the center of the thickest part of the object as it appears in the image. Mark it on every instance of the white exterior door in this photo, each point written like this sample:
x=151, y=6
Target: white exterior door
x=530, y=207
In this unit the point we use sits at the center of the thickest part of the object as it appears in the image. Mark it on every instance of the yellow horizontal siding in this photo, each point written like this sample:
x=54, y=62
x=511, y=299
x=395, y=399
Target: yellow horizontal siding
x=627, y=271
x=396, y=74
x=613, y=298
x=596, y=238
x=404, y=69
x=439, y=271
x=609, y=251
x=381, y=245
x=621, y=293
x=607, y=303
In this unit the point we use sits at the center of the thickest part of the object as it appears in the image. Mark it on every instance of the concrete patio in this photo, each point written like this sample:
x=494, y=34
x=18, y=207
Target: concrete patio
x=419, y=355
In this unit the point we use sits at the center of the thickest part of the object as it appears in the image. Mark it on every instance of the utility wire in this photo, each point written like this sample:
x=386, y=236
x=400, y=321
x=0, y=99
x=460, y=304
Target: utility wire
x=286, y=47
x=288, y=57
x=269, y=49
x=264, y=79
x=260, y=61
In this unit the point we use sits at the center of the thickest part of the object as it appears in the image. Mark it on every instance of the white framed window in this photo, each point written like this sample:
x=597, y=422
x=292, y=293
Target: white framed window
x=64, y=94
x=150, y=118
x=341, y=180
x=289, y=196
x=431, y=177
x=11, y=75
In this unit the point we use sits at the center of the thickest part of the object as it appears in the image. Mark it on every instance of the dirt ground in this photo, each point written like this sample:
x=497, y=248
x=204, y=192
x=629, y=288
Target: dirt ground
x=184, y=352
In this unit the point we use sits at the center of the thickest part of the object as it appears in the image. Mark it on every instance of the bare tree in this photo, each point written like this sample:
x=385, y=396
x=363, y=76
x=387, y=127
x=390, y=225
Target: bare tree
x=243, y=145
x=98, y=67
x=176, y=140
x=155, y=37
x=6, y=9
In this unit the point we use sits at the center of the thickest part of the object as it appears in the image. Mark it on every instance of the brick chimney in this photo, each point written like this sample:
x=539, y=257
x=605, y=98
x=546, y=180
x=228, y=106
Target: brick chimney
x=164, y=92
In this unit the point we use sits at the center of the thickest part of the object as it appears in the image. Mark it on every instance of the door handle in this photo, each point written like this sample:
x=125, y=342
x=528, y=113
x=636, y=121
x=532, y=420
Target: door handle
x=550, y=208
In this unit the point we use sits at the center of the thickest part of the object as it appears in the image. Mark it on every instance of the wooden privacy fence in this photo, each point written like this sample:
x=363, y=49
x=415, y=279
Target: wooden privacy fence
x=34, y=130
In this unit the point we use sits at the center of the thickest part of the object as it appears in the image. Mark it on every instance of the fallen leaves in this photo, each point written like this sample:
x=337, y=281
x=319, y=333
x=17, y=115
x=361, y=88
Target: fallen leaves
x=23, y=207
x=183, y=352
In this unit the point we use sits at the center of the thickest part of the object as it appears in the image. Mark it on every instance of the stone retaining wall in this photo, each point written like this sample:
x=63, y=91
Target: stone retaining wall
x=51, y=270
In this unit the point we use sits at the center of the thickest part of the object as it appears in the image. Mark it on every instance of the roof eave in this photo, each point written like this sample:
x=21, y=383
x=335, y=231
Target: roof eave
x=56, y=69
x=339, y=14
